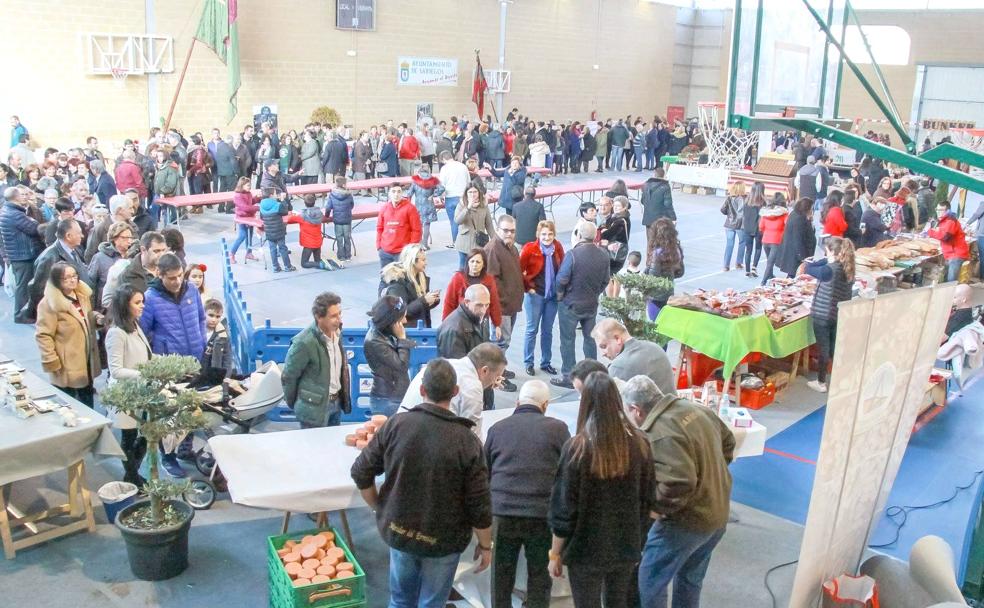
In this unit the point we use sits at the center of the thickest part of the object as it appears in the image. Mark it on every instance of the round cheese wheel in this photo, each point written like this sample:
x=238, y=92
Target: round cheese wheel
x=328, y=535
x=344, y=574
x=311, y=564
x=320, y=554
x=308, y=550
x=350, y=440
x=290, y=544
x=335, y=552
x=293, y=569
x=326, y=570
x=345, y=566
x=283, y=552
x=306, y=573
x=320, y=541
x=302, y=582
x=378, y=420
x=293, y=556
x=361, y=433
x=307, y=538
x=361, y=444
x=320, y=578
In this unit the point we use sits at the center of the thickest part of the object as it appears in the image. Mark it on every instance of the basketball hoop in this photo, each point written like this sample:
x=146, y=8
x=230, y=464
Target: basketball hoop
x=726, y=148
x=119, y=76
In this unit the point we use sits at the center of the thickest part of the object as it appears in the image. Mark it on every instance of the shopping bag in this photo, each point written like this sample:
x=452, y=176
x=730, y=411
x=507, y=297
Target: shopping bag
x=8, y=281
x=854, y=591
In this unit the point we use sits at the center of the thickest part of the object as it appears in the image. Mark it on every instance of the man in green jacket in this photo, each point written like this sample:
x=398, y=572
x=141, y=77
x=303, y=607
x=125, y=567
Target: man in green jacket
x=692, y=449
x=315, y=374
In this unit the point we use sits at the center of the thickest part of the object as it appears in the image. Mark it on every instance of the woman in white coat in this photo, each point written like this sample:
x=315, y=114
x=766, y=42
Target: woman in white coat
x=126, y=349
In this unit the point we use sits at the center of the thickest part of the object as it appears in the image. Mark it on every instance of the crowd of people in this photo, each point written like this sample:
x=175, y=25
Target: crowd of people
x=632, y=501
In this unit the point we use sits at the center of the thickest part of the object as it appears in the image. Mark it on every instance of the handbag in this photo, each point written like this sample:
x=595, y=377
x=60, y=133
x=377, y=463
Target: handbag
x=481, y=239
x=382, y=167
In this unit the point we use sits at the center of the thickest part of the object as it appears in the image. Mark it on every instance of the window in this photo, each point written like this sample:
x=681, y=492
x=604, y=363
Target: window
x=889, y=44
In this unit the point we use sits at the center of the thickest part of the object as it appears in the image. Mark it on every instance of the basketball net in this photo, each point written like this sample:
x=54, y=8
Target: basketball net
x=726, y=148
x=119, y=76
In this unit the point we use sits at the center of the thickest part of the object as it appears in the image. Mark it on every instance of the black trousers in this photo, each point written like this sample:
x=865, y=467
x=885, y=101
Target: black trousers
x=86, y=394
x=826, y=333
x=512, y=534
x=23, y=273
x=597, y=586
x=307, y=253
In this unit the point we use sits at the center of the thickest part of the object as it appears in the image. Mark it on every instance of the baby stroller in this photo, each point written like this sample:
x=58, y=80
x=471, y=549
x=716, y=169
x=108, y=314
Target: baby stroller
x=232, y=407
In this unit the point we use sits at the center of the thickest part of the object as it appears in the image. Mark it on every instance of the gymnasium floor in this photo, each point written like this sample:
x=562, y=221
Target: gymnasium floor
x=227, y=542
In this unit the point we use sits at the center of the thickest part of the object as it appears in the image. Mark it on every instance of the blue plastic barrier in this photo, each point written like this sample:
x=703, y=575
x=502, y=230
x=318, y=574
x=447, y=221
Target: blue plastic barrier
x=268, y=343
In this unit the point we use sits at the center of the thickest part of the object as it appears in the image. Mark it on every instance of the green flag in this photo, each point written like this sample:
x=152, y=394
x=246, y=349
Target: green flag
x=219, y=30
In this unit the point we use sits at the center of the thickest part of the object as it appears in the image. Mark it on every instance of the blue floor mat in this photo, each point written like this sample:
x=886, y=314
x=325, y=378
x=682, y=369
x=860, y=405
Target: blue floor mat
x=941, y=456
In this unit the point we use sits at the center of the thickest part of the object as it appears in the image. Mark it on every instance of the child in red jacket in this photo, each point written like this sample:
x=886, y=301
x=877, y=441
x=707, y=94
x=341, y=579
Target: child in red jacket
x=310, y=220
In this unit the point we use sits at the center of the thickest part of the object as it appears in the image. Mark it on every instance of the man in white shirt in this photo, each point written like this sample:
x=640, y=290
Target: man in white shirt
x=455, y=179
x=481, y=369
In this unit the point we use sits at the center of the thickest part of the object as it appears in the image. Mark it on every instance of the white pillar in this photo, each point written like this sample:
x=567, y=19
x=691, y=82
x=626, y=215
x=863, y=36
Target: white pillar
x=503, y=9
x=153, y=80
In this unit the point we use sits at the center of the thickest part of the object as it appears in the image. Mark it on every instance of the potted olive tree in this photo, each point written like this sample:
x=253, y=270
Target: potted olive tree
x=156, y=530
x=630, y=311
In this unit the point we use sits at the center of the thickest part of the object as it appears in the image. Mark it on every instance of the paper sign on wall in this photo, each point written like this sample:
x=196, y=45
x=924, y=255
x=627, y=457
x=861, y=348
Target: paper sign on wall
x=427, y=71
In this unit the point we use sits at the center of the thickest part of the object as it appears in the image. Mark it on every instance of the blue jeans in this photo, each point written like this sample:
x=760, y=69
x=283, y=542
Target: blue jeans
x=548, y=161
x=676, y=554
x=650, y=158
x=383, y=405
x=730, y=247
x=617, y=152
x=281, y=248
x=640, y=157
x=450, y=203
x=420, y=582
x=540, y=313
x=568, y=328
x=245, y=236
x=386, y=257
x=953, y=268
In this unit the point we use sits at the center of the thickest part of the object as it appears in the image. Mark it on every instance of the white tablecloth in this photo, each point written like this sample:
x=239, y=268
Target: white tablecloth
x=42, y=444
x=305, y=471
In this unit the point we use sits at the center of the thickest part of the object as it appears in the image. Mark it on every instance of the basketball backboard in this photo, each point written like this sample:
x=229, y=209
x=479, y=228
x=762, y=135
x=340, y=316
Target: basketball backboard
x=781, y=58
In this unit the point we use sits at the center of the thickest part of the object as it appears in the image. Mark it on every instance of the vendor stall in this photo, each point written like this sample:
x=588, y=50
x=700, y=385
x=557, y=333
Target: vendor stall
x=44, y=431
x=729, y=326
x=905, y=261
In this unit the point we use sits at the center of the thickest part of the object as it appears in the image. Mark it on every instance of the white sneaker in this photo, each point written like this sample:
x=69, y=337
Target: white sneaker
x=819, y=387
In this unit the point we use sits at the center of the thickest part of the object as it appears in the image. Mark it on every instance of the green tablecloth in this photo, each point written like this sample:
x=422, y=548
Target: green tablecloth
x=730, y=340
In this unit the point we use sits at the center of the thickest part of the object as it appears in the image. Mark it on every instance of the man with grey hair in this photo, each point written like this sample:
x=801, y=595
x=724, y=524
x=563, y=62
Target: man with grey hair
x=522, y=451
x=226, y=169
x=466, y=327
x=503, y=257
x=21, y=244
x=120, y=210
x=582, y=278
x=693, y=449
x=105, y=186
x=631, y=357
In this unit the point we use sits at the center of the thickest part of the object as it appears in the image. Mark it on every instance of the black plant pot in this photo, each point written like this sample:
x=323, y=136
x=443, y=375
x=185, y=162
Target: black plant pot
x=156, y=555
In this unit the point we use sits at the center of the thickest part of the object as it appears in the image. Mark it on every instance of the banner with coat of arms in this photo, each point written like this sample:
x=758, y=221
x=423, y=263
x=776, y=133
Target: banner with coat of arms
x=427, y=71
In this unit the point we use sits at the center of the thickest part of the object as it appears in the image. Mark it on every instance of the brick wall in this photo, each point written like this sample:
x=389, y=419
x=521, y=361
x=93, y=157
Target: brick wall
x=292, y=56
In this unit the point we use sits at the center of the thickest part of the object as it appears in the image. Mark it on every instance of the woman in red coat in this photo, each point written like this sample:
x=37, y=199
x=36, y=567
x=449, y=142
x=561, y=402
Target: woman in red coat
x=772, y=223
x=474, y=271
x=832, y=216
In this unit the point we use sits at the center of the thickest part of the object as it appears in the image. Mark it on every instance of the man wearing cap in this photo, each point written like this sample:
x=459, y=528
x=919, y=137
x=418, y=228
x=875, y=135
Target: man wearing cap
x=120, y=210
x=387, y=351
x=582, y=278
x=522, y=451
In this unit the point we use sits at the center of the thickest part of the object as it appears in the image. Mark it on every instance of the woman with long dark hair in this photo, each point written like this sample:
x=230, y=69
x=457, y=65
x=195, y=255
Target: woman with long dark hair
x=614, y=236
x=601, y=499
x=749, y=235
x=474, y=272
x=832, y=215
x=126, y=349
x=799, y=241
x=667, y=262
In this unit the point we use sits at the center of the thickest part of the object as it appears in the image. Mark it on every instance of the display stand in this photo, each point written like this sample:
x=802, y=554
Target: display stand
x=78, y=507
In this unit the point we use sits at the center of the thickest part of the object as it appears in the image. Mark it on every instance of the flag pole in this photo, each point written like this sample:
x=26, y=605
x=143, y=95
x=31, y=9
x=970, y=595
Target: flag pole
x=177, y=90
x=495, y=114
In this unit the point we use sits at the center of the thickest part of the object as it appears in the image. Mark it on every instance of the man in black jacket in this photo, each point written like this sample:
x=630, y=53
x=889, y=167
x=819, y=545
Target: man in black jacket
x=523, y=451
x=436, y=492
x=66, y=248
x=529, y=213
x=465, y=328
